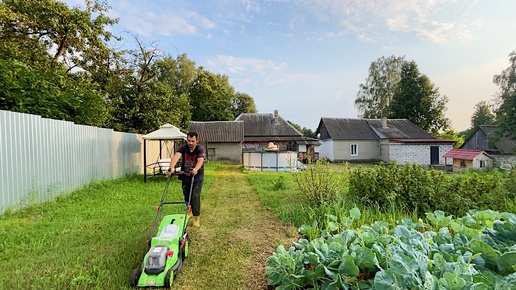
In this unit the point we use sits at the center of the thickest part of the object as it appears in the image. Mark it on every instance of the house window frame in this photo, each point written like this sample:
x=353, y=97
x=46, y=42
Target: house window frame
x=292, y=146
x=353, y=149
x=482, y=163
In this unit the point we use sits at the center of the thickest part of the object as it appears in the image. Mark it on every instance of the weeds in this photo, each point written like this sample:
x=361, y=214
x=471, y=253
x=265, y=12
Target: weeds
x=320, y=184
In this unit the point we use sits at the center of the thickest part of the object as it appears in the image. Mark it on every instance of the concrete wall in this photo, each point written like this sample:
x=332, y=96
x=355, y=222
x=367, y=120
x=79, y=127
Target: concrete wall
x=225, y=152
x=368, y=150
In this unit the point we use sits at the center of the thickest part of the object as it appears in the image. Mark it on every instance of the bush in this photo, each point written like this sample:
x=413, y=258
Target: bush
x=420, y=190
x=319, y=183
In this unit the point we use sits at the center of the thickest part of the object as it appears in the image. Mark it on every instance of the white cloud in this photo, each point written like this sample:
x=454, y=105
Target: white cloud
x=425, y=19
x=143, y=18
x=254, y=71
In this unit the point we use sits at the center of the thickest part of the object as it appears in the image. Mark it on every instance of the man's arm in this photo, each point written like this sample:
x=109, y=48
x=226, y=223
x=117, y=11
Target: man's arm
x=173, y=162
x=198, y=166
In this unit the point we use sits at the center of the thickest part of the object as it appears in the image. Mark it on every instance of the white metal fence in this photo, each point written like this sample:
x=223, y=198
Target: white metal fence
x=42, y=158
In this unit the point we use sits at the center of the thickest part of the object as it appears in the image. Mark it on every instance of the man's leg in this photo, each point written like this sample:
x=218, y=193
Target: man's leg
x=196, y=198
x=196, y=203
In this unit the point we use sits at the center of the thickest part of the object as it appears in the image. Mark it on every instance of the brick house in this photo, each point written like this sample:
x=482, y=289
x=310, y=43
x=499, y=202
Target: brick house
x=373, y=140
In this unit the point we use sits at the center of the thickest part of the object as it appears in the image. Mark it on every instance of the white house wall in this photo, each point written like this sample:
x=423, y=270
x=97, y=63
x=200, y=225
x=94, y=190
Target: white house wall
x=415, y=153
x=367, y=150
x=326, y=149
x=482, y=157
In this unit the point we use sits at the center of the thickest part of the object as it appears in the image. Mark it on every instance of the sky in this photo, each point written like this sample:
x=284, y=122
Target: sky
x=307, y=59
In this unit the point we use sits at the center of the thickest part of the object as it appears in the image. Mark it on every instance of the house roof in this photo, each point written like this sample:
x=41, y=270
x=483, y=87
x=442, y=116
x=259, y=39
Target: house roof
x=219, y=131
x=464, y=154
x=297, y=139
x=264, y=125
x=505, y=145
x=422, y=141
x=348, y=129
x=398, y=129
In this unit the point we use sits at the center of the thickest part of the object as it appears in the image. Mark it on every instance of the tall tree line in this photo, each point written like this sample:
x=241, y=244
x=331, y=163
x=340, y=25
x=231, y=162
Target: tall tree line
x=57, y=62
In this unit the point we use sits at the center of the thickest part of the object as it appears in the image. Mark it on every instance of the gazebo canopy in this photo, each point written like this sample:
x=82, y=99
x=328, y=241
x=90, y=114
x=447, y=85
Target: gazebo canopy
x=166, y=132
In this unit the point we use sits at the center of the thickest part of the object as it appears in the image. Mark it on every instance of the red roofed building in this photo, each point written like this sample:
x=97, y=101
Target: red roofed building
x=463, y=159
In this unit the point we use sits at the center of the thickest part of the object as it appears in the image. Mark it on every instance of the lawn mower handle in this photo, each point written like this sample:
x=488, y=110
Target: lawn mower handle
x=162, y=202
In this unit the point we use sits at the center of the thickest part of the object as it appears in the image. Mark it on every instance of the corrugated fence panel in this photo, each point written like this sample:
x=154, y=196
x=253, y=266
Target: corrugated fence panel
x=42, y=158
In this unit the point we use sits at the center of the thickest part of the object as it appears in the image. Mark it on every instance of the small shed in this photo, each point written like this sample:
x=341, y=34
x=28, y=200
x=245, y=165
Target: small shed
x=221, y=139
x=165, y=134
x=463, y=159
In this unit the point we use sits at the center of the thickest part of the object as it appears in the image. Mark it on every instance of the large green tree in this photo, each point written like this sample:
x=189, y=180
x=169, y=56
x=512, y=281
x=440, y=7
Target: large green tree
x=242, y=103
x=506, y=98
x=39, y=43
x=210, y=97
x=146, y=97
x=375, y=95
x=482, y=115
x=418, y=100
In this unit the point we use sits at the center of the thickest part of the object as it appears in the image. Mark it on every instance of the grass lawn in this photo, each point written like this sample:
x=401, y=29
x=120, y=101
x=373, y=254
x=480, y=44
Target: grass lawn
x=94, y=237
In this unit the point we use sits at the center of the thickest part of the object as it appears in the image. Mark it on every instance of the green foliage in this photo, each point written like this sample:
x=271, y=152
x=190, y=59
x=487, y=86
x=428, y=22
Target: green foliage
x=482, y=115
x=472, y=252
x=210, y=97
x=506, y=99
x=375, y=96
x=417, y=100
x=319, y=183
x=416, y=189
x=279, y=184
x=86, y=81
x=242, y=103
x=450, y=134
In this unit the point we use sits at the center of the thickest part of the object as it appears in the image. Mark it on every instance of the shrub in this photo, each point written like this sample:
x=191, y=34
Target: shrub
x=420, y=190
x=319, y=183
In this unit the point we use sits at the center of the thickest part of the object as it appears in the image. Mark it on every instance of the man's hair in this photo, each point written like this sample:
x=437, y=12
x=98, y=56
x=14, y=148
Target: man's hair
x=192, y=134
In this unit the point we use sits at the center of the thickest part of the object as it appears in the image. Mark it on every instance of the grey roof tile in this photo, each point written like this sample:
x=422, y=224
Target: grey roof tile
x=219, y=131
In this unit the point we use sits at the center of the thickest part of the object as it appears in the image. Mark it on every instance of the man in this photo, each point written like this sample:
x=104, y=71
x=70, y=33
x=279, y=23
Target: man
x=192, y=161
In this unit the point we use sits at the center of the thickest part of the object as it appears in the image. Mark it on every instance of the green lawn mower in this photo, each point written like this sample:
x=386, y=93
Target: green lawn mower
x=168, y=246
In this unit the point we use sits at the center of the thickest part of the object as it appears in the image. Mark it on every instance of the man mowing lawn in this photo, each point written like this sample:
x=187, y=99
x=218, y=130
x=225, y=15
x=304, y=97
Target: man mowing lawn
x=192, y=161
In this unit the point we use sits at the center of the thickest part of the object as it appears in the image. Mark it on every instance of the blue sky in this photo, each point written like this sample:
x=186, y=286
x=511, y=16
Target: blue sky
x=306, y=59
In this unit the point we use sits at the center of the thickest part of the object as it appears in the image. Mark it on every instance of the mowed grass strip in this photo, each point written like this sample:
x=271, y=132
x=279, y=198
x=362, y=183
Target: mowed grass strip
x=94, y=237
x=236, y=237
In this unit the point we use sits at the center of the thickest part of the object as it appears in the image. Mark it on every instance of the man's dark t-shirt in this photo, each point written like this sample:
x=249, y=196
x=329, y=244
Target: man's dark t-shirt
x=189, y=160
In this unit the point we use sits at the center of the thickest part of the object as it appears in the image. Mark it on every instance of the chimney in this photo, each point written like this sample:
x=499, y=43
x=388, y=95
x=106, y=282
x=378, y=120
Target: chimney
x=384, y=123
x=275, y=114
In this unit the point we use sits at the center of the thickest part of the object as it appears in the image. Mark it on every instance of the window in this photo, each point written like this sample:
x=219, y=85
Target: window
x=354, y=149
x=291, y=146
x=482, y=164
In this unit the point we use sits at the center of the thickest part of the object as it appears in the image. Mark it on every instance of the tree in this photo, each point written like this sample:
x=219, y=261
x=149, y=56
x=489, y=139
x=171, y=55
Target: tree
x=482, y=115
x=144, y=100
x=210, y=97
x=39, y=83
x=375, y=96
x=450, y=134
x=417, y=100
x=305, y=131
x=70, y=32
x=506, y=99
x=242, y=103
